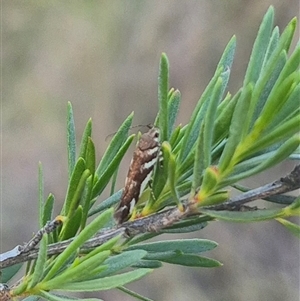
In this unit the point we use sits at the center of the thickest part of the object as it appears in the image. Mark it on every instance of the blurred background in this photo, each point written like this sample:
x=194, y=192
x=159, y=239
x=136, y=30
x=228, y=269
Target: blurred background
x=103, y=56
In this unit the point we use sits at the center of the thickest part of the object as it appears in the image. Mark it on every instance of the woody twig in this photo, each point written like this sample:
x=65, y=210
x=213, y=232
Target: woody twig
x=161, y=220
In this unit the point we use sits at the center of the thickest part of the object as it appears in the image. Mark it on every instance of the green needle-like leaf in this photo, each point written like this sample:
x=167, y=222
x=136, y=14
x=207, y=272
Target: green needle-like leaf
x=55, y=297
x=73, y=184
x=105, y=283
x=293, y=228
x=259, y=48
x=163, y=89
x=90, y=156
x=86, y=200
x=193, y=261
x=87, y=134
x=121, y=261
x=173, y=108
x=9, y=272
x=72, y=225
x=236, y=129
x=209, y=122
x=71, y=139
x=184, y=245
x=40, y=262
x=48, y=209
x=78, y=272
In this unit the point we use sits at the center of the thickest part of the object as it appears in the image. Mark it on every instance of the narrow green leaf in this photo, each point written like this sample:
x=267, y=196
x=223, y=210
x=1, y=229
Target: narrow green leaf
x=281, y=153
x=272, y=45
x=9, y=272
x=259, y=48
x=161, y=255
x=71, y=140
x=289, y=110
x=40, y=263
x=86, y=200
x=277, y=99
x=193, y=261
x=228, y=55
x=133, y=294
x=72, y=225
x=48, y=209
x=105, y=283
x=20, y=289
x=172, y=180
x=111, y=167
x=87, y=134
x=294, y=206
x=272, y=158
x=114, y=182
x=78, y=193
x=211, y=179
x=291, y=65
x=280, y=133
x=199, y=162
x=149, y=264
x=184, y=245
x=246, y=216
x=114, y=146
x=98, y=223
x=56, y=297
x=264, y=88
x=73, y=184
x=75, y=273
x=175, y=138
x=215, y=198
x=209, y=122
x=121, y=261
x=224, y=116
x=108, y=245
x=281, y=199
x=237, y=128
x=161, y=173
x=293, y=228
x=90, y=156
x=173, y=108
x=192, y=129
x=108, y=203
x=287, y=35
x=163, y=89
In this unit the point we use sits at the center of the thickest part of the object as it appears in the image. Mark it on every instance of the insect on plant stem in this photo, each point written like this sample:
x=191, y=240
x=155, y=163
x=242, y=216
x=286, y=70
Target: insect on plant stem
x=141, y=166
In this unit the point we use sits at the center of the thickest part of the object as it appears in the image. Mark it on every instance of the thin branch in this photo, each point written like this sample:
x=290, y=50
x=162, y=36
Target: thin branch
x=288, y=183
x=160, y=220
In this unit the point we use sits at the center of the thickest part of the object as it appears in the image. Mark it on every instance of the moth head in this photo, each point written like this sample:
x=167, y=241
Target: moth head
x=149, y=140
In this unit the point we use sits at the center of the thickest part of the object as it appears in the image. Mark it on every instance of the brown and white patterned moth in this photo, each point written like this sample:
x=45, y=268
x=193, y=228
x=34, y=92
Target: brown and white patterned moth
x=141, y=166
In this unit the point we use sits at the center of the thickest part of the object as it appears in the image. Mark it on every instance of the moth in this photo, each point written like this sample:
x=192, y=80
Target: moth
x=141, y=166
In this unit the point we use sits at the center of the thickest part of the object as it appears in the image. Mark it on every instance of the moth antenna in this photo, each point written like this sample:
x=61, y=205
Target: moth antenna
x=149, y=126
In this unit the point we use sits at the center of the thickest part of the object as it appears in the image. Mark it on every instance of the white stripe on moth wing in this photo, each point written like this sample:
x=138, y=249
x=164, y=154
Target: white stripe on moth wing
x=152, y=151
x=132, y=204
x=149, y=164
